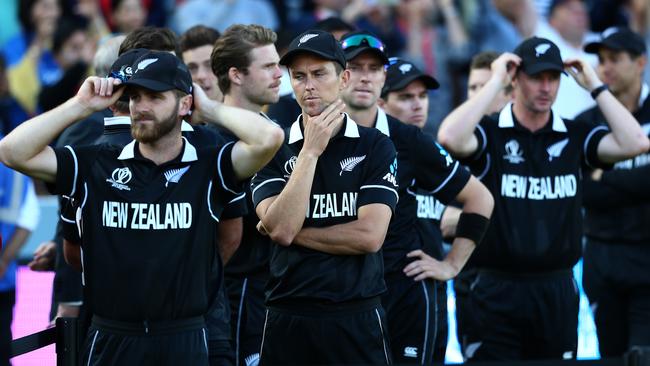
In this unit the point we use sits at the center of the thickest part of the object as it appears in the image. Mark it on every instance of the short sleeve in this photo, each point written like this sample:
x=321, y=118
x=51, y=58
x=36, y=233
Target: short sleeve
x=436, y=171
x=235, y=208
x=379, y=182
x=69, y=227
x=270, y=181
x=71, y=166
x=226, y=177
x=593, y=135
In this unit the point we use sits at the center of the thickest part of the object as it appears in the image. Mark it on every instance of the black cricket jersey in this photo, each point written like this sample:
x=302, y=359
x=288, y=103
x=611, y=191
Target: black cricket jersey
x=117, y=132
x=357, y=168
x=429, y=212
x=536, y=180
x=618, y=206
x=251, y=260
x=424, y=165
x=148, y=231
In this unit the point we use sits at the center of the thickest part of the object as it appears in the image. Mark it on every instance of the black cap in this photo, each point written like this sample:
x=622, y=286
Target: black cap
x=160, y=71
x=618, y=39
x=354, y=43
x=318, y=42
x=121, y=68
x=401, y=73
x=539, y=54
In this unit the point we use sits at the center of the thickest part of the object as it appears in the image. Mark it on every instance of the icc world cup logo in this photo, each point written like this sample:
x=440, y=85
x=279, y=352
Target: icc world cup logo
x=121, y=175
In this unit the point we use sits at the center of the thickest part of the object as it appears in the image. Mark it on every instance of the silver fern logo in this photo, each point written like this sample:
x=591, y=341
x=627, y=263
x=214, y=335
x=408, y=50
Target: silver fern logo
x=555, y=150
x=174, y=175
x=348, y=164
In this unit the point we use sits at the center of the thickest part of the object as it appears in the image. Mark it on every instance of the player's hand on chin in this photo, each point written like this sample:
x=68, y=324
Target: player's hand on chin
x=424, y=266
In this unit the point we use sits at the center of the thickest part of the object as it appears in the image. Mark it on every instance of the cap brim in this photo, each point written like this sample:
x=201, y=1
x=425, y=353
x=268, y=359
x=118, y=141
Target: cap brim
x=356, y=51
x=594, y=47
x=286, y=59
x=429, y=82
x=154, y=85
x=541, y=67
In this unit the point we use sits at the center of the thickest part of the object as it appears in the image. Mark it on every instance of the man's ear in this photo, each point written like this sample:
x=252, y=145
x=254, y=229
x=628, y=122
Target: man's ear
x=185, y=105
x=234, y=74
x=345, y=78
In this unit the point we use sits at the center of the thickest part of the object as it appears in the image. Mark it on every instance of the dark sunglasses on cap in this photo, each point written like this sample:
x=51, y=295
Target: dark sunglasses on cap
x=363, y=40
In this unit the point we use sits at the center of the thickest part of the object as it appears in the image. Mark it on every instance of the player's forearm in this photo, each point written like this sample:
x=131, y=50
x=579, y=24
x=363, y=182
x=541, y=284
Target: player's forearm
x=352, y=238
x=626, y=130
x=285, y=216
x=461, y=250
x=456, y=132
x=33, y=136
x=250, y=128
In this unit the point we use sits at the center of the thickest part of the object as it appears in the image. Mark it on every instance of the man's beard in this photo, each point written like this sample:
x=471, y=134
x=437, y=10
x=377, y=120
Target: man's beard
x=147, y=134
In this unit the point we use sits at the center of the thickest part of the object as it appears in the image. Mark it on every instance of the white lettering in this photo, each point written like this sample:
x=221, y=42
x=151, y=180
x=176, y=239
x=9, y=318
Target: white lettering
x=330, y=205
x=147, y=216
x=539, y=188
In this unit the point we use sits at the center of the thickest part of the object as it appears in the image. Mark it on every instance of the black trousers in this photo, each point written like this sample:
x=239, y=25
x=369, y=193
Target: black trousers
x=616, y=279
x=181, y=342
x=321, y=337
x=217, y=322
x=413, y=319
x=442, y=323
x=247, y=318
x=522, y=317
x=7, y=302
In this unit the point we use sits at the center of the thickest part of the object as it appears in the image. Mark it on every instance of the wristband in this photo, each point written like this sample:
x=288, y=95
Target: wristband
x=472, y=226
x=596, y=92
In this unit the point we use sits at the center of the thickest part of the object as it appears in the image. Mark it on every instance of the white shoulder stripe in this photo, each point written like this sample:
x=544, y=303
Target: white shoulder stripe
x=584, y=147
x=76, y=169
x=444, y=183
x=267, y=181
x=223, y=182
x=238, y=198
x=369, y=186
x=210, y=203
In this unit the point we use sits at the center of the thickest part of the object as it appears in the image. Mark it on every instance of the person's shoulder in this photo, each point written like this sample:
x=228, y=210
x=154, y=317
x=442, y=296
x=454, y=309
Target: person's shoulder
x=591, y=115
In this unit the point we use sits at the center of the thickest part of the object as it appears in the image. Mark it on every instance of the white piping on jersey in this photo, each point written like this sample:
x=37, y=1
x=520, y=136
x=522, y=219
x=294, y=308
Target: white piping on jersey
x=482, y=131
x=383, y=337
x=444, y=183
x=382, y=187
x=238, y=197
x=66, y=219
x=76, y=169
x=266, y=320
x=267, y=181
x=210, y=204
x=92, y=347
x=83, y=203
x=426, y=321
x=223, y=182
x=584, y=146
x=205, y=340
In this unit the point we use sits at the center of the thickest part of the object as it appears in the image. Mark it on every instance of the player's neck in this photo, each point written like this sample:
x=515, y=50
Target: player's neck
x=531, y=120
x=235, y=100
x=165, y=149
x=363, y=117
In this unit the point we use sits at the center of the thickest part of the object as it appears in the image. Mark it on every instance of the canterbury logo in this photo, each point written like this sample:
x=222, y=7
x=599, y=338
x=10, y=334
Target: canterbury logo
x=348, y=164
x=555, y=150
x=174, y=175
x=145, y=63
